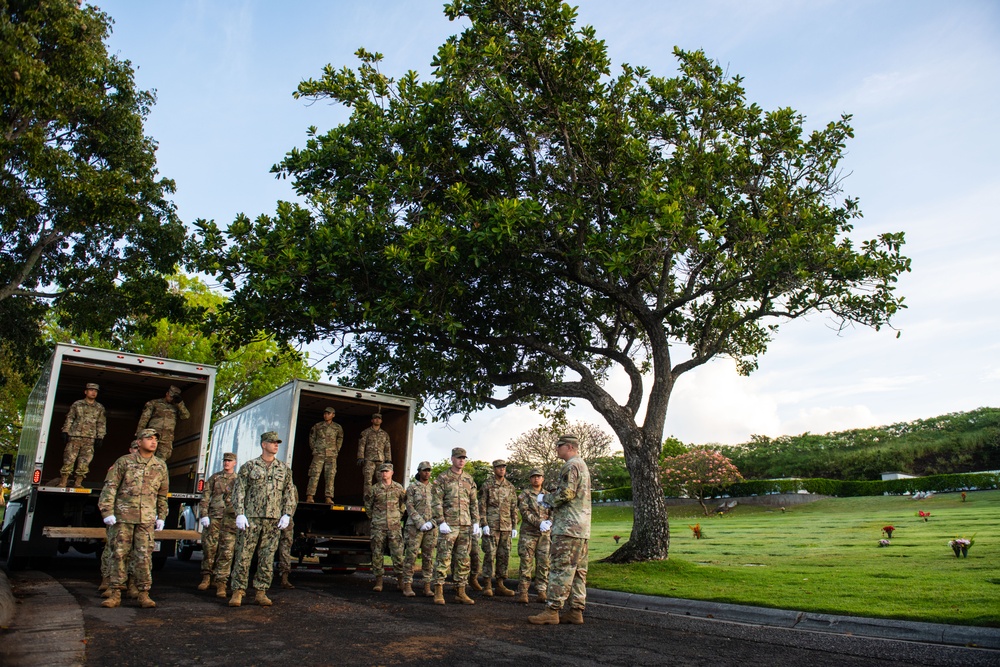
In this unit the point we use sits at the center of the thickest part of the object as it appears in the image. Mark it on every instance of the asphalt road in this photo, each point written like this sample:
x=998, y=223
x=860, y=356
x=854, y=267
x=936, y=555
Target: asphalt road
x=338, y=620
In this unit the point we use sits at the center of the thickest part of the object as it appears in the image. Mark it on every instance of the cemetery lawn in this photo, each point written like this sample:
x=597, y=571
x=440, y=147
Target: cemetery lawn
x=822, y=557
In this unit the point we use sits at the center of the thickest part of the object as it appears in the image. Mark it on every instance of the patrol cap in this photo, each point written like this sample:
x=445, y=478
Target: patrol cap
x=384, y=467
x=174, y=390
x=377, y=415
x=330, y=410
x=93, y=385
x=424, y=465
x=459, y=452
x=499, y=463
x=270, y=436
x=569, y=439
x=147, y=433
x=229, y=456
x=536, y=472
x=134, y=444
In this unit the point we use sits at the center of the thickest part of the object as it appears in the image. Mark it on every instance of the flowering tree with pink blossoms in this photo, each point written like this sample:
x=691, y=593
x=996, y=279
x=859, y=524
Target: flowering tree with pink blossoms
x=698, y=473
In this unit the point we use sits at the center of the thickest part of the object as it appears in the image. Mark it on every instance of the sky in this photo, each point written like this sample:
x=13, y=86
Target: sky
x=921, y=79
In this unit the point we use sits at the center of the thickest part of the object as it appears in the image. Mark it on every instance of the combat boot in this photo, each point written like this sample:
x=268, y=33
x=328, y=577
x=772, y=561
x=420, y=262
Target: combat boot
x=206, y=581
x=548, y=617
x=378, y=585
x=310, y=499
x=237, y=599
x=62, y=481
x=503, y=590
x=285, y=583
x=474, y=582
x=78, y=482
x=522, y=594
x=328, y=500
x=438, y=593
x=262, y=599
x=573, y=616
x=144, y=601
x=488, y=588
x=220, y=589
x=133, y=592
x=408, y=590
x=105, y=582
x=427, y=590
x=460, y=596
x=108, y=593
x=541, y=597
x=114, y=600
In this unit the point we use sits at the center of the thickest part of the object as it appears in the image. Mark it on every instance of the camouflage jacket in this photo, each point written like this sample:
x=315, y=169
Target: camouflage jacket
x=385, y=504
x=326, y=437
x=374, y=445
x=85, y=420
x=570, y=501
x=419, y=503
x=263, y=491
x=532, y=514
x=163, y=417
x=454, y=498
x=498, y=504
x=135, y=490
x=217, y=500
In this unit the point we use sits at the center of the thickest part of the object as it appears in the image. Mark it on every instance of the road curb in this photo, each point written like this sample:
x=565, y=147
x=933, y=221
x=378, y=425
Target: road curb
x=48, y=630
x=915, y=631
x=6, y=601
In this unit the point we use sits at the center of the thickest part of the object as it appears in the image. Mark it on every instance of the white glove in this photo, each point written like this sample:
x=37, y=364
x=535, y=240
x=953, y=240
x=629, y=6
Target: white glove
x=545, y=526
x=205, y=521
x=486, y=531
x=427, y=526
x=110, y=521
x=476, y=530
x=241, y=522
x=283, y=521
x=159, y=524
x=444, y=528
x=513, y=534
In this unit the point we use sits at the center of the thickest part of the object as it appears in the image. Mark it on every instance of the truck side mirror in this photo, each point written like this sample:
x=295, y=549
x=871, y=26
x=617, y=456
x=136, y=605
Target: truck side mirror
x=6, y=464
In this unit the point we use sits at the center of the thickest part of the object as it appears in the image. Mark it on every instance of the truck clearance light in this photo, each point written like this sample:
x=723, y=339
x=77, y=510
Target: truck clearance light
x=37, y=476
x=201, y=485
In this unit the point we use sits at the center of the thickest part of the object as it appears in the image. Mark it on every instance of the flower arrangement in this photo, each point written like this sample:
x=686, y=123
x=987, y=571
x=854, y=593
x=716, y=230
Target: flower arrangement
x=961, y=546
x=883, y=543
x=924, y=515
x=617, y=537
x=696, y=530
x=963, y=496
x=888, y=530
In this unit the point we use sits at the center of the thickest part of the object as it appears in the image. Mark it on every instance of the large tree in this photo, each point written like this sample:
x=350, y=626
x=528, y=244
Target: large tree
x=537, y=448
x=525, y=222
x=84, y=218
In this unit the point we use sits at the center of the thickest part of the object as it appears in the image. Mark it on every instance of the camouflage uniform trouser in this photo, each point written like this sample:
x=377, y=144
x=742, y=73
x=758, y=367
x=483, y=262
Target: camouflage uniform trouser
x=131, y=545
x=380, y=536
x=285, y=539
x=261, y=536
x=164, y=448
x=224, y=553
x=455, y=544
x=79, y=453
x=368, y=473
x=320, y=462
x=475, y=558
x=496, y=553
x=422, y=543
x=568, y=572
x=533, y=550
x=210, y=544
x=108, y=561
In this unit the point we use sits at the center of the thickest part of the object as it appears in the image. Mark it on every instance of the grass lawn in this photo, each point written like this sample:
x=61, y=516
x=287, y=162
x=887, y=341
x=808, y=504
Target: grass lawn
x=822, y=557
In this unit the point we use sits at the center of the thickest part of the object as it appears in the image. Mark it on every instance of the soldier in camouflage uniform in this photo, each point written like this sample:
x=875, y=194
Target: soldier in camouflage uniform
x=264, y=504
x=498, y=518
x=83, y=431
x=162, y=414
x=533, y=548
x=107, y=560
x=373, y=450
x=421, y=532
x=285, y=540
x=134, y=504
x=570, y=524
x=385, y=503
x=325, y=439
x=456, y=514
x=216, y=504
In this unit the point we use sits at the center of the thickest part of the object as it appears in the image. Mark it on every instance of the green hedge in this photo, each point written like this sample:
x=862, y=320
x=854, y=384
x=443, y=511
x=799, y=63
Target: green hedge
x=609, y=495
x=833, y=487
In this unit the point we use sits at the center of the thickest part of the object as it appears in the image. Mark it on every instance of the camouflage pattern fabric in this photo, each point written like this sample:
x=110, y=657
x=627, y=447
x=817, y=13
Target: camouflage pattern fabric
x=533, y=552
x=374, y=448
x=85, y=420
x=385, y=504
x=135, y=490
x=325, y=440
x=454, y=545
x=263, y=493
x=226, y=548
x=131, y=542
x=285, y=540
x=419, y=510
x=381, y=536
x=160, y=415
x=475, y=556
x=260, y=537
x=216, y=502
x=568, y=573
x=571, y=511
x=77, y=455
x=453, y=497
x=498, y=510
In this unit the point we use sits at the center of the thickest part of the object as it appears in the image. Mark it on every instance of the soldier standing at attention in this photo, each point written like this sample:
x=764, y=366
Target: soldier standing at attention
x=216, y=508
x=533, y=549
x=285, y=540
x=133, y=504
x=570, y=525
x=373, y=450
x=385, y=503
x=456, y=514
x=162, y=414
x=83, y=431
x=498, y=518
x=421, y=531
x=107, y=561
x=264, y=504
x=325, y=439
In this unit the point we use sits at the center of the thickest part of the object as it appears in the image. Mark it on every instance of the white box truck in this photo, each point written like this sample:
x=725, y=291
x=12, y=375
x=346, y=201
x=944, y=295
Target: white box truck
x=337, y=533
x=43, y=519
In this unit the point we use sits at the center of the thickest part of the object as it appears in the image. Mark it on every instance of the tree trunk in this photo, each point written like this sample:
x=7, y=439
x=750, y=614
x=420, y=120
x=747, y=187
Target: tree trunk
x=650, y=538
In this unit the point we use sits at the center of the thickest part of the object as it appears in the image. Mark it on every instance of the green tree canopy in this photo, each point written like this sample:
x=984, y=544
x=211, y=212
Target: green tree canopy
x=537, y=449
x=524, y=223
